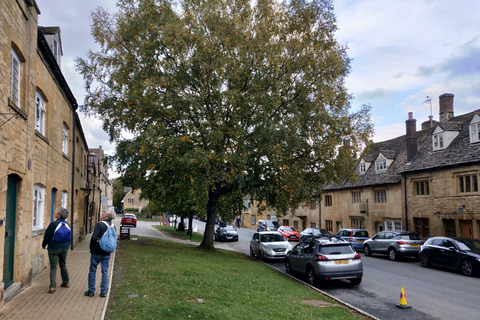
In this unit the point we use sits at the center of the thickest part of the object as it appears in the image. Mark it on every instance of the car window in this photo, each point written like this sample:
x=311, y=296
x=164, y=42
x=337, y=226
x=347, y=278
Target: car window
x=380, y=236
x=413, y=236
x=288, y=229
x=361, y=234
x=436, y=242
x=471, y=244
x=255, y=236
x=447, y=244
x=336, y=249
x=308, y=248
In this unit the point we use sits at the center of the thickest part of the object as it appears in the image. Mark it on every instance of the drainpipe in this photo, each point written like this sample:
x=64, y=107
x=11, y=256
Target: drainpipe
x=72, y=202
x=404, y=175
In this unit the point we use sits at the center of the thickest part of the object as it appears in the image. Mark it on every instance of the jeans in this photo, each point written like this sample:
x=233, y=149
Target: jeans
x=58, y=256
x=94, y=261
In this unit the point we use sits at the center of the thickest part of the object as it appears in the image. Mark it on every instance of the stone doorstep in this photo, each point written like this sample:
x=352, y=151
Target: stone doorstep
x=12, y=291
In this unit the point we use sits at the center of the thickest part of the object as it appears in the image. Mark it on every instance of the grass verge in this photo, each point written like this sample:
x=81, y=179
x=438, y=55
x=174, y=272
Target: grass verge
x=160, y=279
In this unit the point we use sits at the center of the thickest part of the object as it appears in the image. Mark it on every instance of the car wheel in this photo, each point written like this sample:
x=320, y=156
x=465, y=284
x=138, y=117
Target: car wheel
x=260, y=255
x=356, y=281
x=466, y=267
x=311, y=277
x=288, y=267
x=392, y=254
x=367, y=251
x=252, y=254
x=424, y=261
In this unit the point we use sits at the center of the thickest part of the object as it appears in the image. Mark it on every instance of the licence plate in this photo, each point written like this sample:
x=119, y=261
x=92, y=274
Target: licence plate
x=342, y=261
x=360, y=240
x=414, y=245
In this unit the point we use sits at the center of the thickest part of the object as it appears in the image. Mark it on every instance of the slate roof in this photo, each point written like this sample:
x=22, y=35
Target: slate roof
x=459, y=152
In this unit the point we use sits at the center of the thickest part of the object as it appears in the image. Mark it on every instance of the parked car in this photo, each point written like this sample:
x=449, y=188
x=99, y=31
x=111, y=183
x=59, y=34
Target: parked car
x=313, y=233
x=396, y=244
x=129, y=219
x=269, y=245
x=462, y=254
x=289, y=232
x=356, y=237
x=225, y=233
x=324, y=259
x=267, y=225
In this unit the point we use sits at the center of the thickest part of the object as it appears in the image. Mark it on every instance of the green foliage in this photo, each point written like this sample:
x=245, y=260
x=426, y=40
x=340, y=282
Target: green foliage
x=118, y=195
x=224, y=99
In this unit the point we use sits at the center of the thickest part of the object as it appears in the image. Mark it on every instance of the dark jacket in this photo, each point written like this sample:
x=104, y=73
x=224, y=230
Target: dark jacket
x=98, y=232
x=48, y=237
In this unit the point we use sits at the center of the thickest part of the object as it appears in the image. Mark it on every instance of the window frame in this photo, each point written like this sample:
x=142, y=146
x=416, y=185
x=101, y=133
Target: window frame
x=356, y=197
x=328, y=200
x=474, y=132
x=438, y=141
x=38, y=212
x=422, y=188
x=65, y=139
x=392, y=225
x=40, y=113
x=467, y=183
x=381, y=196
x=15, y=78
x=64, y=199
x=381, y=165
x=362, y=168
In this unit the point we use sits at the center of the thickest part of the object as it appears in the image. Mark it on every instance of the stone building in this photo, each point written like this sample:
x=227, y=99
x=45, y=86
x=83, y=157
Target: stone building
x=426, y=181
x=43, y=150
x=132, y=200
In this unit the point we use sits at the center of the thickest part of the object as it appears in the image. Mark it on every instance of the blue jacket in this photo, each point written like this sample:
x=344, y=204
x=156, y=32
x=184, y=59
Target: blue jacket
x=48, y=237
x=98, y=232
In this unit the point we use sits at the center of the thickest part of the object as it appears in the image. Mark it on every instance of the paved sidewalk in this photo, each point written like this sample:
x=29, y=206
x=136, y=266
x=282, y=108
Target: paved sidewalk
x=66, y=303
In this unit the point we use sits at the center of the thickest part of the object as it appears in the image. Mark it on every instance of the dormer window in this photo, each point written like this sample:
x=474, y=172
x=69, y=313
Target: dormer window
x=475, y=129
x=381, y=164
x=438, y=141
x=362, y=168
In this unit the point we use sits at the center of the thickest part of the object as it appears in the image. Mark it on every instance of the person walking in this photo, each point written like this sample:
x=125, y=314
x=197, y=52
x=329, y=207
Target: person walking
x=57, y=251
x=98, y=256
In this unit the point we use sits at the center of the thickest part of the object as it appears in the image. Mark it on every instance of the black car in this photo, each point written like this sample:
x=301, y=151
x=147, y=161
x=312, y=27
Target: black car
x=314, y=233
x=226, y=233
x=461, y=254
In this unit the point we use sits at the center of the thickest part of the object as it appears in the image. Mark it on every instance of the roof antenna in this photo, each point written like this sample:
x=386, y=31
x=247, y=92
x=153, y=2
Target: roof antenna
x=429, y=100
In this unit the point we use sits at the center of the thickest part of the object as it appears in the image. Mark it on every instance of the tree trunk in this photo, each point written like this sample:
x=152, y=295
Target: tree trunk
x=213, y=196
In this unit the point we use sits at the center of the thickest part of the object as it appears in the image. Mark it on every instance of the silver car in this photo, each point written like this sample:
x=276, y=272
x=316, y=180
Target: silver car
x=325, y=259
x=395, y=244
x=269, y=245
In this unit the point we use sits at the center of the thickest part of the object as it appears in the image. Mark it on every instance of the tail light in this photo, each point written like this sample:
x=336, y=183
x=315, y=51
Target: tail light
x=321, y=258
x=357, y=256
x=402, y=242
x=351, y=236
x=268, y=229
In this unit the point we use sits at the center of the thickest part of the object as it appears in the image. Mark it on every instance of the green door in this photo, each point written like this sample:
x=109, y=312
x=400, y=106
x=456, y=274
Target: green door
x=10, y=231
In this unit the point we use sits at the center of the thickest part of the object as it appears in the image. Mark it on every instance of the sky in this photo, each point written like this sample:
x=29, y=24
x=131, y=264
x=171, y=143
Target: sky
x=402, y=52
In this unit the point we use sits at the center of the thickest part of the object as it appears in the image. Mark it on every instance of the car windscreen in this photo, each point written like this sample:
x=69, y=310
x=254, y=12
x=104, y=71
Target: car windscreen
x=335, y=249
x=289, y=229
x=409, y=236
x=273, y=223
x=271, y=237
x=469, y=245
x=228, y=228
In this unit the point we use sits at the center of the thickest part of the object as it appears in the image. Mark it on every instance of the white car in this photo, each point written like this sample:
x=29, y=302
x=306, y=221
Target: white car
x=269, y=245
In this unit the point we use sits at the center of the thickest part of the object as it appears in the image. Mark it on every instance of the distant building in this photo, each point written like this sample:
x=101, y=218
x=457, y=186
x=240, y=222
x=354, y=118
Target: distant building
x=132, y=200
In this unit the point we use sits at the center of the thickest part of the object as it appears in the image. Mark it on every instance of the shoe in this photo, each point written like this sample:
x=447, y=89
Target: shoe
x=89, y=294
x=103, y=294
x=65, y=285
x=52, y=290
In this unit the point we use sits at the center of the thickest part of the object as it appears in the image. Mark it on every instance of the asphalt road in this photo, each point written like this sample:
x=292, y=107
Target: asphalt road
x=431, y=293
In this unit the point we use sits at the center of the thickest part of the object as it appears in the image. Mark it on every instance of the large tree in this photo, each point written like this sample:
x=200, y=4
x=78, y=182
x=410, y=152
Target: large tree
x=224, y=99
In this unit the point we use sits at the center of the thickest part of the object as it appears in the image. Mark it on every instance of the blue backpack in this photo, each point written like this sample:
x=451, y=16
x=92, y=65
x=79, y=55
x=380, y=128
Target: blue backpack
x=62, y=232
x=108, y=242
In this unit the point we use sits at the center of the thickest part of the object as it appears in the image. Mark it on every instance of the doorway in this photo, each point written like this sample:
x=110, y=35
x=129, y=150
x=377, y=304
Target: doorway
x=10, y=222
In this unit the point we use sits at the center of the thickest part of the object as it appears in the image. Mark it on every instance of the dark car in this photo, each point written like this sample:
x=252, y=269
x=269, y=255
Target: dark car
x=356, y=237
x=461, y=254
x=226, y=233
x=129, y=219
x=396, y=244
x=325, y=259
x=313, y=233
x=267, y=225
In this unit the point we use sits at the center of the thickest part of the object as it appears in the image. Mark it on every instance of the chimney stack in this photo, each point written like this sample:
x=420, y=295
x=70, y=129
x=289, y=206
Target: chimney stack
x=411, y=136
x=446, y=107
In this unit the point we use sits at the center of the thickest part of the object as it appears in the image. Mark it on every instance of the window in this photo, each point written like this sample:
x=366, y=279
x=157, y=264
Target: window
x=313, y=204
x=475, y=132
x=421, y=188
x=38, y=206
x=40, y=114
x=362, y=168
x=329, y=225
x=285, y=222
x=438, y=141
x=15, y=79
x=328, y=200
x=468, y=183
x=65, y=139
x=381, y=165
x=295, y=224
x=64, y=199
x=356, y=197
x=357, y=223
x=313, y=224
x=393, y=225
x=422, y=227
x=381, y=196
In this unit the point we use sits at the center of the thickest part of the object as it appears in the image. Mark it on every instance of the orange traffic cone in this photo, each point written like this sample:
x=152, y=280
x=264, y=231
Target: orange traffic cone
x=403, y=300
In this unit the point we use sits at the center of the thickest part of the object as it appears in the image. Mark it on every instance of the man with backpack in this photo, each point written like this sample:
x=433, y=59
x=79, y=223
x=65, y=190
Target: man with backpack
x=100, y=250
x=57, y=241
